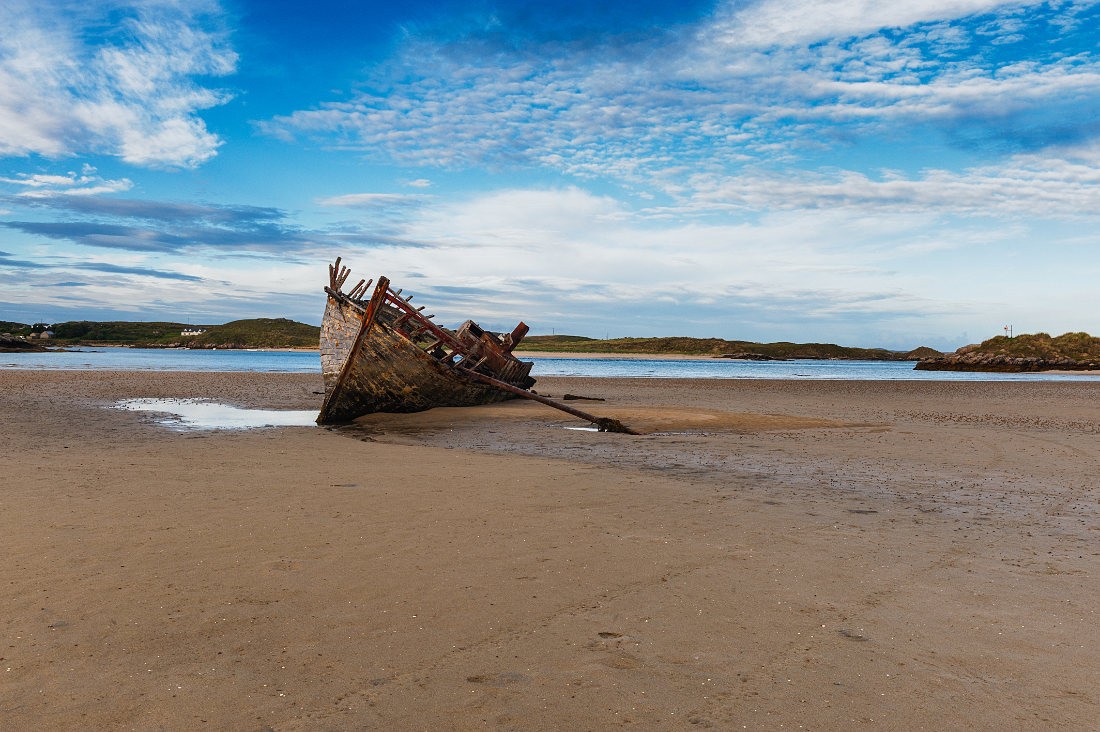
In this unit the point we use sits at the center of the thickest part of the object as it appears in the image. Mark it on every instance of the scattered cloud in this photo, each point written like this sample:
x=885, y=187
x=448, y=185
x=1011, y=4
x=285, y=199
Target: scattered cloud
x=140, y=271
x=1053, y=187
x=85, y=183
x=780, y=85
x=7, y=260
x=791, y=22
x=567, y=258
x=107, y=236
x=69, y=87
x=158, y=226
x=373, y=200
x=52, y=265
x=164, y=211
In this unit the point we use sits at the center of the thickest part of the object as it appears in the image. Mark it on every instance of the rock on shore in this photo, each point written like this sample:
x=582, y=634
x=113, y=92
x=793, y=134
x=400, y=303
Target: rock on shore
x=745, y=356
x=14, y=344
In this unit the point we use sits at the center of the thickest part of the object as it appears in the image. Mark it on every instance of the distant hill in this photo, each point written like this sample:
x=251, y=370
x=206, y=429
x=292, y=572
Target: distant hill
x=118, y=332
x=715, y=347
x=922, y=352
x=7, y=326
x=252, y=333
x=257, y=333
x=284, y=333
x=1029, y=352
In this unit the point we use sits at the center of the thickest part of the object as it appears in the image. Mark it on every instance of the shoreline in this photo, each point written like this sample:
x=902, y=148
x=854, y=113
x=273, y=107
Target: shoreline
x=522, y=354
x=553, y=355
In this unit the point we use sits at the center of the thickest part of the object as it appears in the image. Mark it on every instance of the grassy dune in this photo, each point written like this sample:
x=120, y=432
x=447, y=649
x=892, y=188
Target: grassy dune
x=251, y=333
x=1075, y=346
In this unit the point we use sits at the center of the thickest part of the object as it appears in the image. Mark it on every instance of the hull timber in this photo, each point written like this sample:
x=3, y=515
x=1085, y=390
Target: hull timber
x=384, y=355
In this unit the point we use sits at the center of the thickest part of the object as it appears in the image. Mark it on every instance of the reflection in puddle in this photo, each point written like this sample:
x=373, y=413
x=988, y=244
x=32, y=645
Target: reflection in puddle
x=202, y=415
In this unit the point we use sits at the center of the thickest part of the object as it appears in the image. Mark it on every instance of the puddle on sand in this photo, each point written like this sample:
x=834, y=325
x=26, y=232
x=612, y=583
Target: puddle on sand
x=201, y=415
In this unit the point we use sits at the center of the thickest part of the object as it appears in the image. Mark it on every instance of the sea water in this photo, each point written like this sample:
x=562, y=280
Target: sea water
x=719, y=368
x=200, y=414
x=116, y=358
x=172, y=359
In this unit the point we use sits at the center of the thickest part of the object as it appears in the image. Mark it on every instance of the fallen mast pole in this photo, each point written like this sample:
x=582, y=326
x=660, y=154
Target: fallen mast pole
x=603, y=424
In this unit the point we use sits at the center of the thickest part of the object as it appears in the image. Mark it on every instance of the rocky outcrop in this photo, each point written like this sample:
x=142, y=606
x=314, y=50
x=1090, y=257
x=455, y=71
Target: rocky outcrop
x=228, y=346
x=1022, y=354
x=968, y=358
x=15, y=344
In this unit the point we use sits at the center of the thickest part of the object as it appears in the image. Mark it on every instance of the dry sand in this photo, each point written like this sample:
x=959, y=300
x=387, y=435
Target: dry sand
x=776, y=555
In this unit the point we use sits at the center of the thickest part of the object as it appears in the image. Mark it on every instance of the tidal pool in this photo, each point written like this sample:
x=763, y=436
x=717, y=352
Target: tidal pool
x=197, y=414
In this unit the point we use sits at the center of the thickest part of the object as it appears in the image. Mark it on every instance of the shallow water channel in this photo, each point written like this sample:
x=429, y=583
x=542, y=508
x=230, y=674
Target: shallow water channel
x=197, y=414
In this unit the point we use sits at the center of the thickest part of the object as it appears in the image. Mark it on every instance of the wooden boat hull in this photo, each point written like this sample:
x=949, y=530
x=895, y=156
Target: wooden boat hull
x=370, y=364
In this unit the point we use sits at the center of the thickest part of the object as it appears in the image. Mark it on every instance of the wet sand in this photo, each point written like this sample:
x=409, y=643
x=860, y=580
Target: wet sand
x=836, y=555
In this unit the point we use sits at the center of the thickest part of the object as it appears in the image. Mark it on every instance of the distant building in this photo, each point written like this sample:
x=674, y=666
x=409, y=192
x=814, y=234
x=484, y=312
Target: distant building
x=192, y=331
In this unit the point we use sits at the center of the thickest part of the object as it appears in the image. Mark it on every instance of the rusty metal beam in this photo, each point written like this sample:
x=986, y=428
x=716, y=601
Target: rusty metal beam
x=604, y=424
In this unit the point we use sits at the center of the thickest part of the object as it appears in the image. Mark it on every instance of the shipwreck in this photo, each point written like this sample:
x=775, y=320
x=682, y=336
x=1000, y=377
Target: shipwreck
x=384, y=354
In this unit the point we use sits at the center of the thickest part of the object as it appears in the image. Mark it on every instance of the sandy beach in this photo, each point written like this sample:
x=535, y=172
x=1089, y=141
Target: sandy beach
x=770, y=555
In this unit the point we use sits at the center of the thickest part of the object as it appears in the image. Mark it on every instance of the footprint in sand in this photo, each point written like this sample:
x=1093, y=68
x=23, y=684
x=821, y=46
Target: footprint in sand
x=505, y=678
x=286, y=565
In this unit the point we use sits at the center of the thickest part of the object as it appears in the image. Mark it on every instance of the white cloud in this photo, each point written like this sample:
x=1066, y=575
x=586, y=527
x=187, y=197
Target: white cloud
x=789, y=22
x=575, y=241
x=85, y=183
x=66, y=88
x=581, y=262
x=862, y=275
x=372, y=200
x=1026, y=186
x=523, y=218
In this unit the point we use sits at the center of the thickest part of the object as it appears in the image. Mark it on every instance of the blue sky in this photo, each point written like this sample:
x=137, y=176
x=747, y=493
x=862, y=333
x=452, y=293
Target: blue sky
x=856, y=172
